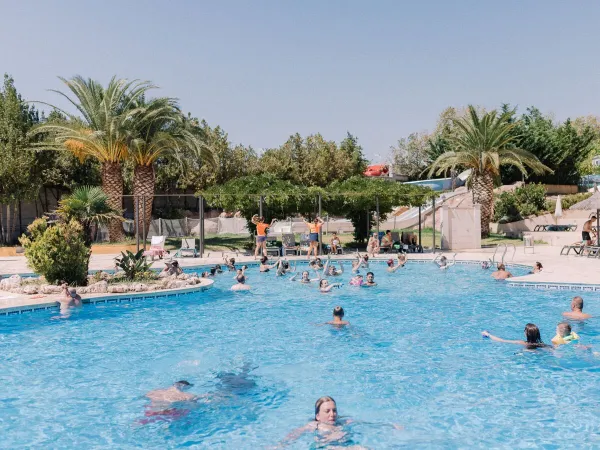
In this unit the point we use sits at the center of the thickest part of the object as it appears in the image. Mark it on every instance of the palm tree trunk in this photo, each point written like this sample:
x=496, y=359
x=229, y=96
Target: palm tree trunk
x=112, y=185
x=143, y=187
x=483, y=194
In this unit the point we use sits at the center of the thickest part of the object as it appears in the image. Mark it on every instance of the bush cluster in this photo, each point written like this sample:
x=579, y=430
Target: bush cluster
x=57, y=252
x=525, y=201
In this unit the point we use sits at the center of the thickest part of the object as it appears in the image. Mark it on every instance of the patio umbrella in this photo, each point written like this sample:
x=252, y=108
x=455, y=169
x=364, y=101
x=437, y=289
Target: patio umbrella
x=558, y=211
x=591, y=204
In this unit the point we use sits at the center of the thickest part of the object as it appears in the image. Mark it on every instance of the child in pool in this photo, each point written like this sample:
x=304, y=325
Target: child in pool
x=564, y=334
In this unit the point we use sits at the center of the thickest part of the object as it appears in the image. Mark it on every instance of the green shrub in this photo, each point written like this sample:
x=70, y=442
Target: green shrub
x=134, y=265
x=526, y=200
x=57, y=252
x=569, y=200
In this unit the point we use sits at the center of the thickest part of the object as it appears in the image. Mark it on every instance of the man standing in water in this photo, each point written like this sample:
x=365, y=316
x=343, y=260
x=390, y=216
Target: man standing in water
x=576, y=312
x=586, y=233
x=501, y=273
x=173, y=394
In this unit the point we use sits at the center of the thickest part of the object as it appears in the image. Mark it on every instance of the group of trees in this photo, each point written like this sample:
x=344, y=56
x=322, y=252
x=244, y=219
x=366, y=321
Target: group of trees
x=566, y=148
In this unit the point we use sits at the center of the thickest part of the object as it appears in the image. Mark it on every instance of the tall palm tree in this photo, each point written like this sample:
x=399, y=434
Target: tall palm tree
x=160, y=130
x=483, y=144
x=90, y=207
x=102, y=130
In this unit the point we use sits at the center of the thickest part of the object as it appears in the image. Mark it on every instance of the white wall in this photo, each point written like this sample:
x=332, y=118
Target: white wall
x=461, y=228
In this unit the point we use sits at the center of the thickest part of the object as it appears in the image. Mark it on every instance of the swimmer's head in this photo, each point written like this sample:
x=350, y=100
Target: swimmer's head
x=264, y=260
x=563, y=329
x=501, y=266
x=577, y=303
x=338, y=311
x=323, y=283
x=331, y=270
x=532, y=334
x=370, y=277
x=305, y=275
x=326, y=410
x=366, y=257
x=73, y=292
x=241, y=279
x=183, y=385
x=218, y=268
x=390, y=262
x=538, y=265
x=443, y=259
x=286, y=265
x=205, y=274
x=232, y=261
x=213, y=271
x=175, y=263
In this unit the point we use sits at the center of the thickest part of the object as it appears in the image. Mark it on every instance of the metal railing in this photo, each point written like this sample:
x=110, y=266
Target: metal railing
x=504, y=253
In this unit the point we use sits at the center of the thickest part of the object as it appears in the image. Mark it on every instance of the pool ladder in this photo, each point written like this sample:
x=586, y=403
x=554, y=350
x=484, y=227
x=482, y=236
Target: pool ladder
x=505, y=251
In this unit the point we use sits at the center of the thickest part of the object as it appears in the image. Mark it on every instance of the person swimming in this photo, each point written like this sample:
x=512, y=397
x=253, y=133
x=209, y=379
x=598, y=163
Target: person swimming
x=370, y=280
x=315, y=263
x=576, y=312
x=305, y=278
x=241, y=284
x=264, y=267
x=532, y=340
x=443, y=263
x=564, y=334
x=400, y=263
x=537, y=268
x=485, y=265
x=338, y=317
x=324, y=285
x=329, y=270
x=284, y=267
x=357, y=280
x=501, y=273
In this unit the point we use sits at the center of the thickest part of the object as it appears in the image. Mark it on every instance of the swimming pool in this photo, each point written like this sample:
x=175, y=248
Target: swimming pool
x=413, y=356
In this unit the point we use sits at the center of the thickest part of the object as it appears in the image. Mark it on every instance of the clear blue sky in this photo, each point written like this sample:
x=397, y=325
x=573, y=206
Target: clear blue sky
x=266, y=69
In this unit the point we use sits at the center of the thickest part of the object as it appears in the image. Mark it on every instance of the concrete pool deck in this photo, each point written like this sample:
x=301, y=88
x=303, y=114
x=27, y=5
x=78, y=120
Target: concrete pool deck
x=558, y=270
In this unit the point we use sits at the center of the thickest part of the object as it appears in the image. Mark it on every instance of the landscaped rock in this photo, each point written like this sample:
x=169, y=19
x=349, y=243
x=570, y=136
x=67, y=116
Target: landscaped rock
x=50, y=289
x=9, y=283
x=117, y=289
x=30, y=289
x=137, y=287
x=176, y=284
x=193, y=280
x=101, y=287
x=16, y=290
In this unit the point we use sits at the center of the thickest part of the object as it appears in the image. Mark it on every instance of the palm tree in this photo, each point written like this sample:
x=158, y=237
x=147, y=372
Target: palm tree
x=89, y=205
x=103, y=130
x=483, y=144
x=160, y=130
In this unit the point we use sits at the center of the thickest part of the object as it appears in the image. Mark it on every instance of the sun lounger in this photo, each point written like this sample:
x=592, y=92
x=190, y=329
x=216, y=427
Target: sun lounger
x=188, y=246
x=157, y=247
x=577, y=247
x=304, y=244
x=272, y=248
x=289, y=244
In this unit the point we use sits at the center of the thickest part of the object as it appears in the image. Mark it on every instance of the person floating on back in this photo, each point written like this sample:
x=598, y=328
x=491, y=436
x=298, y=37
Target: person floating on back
x=564, y=334
x=576, y=312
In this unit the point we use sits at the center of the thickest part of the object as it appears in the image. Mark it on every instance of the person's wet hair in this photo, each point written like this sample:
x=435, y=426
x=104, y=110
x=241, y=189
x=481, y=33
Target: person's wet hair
x=564, y=328
x=501, y=266
x=321, y=283
x=538, y=265
x=175, y=263
x=366, y=257
x=387, y=231
x=577, y=303
x=370, y=273
x=182, y=383
x=320, y=402
x=532, y=333
x=390, y=262
x=241, y=279
x=338, y=311
x=264, y=260
x=213, y=271
x=205, y=274
x=232, y=261
x=286, y=265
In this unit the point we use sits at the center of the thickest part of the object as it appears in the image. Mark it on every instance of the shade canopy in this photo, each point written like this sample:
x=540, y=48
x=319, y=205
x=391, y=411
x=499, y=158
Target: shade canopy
x=589, y=204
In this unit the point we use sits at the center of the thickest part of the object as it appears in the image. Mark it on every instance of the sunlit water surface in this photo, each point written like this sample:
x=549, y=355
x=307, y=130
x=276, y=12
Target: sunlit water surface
x=413, y=356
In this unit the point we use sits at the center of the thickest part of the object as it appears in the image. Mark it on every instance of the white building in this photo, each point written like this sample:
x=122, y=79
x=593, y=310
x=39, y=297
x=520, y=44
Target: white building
x=596, y=161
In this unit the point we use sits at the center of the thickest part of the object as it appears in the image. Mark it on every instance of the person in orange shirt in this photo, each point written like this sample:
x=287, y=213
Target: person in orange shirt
x=261, y=234
x=314, y=228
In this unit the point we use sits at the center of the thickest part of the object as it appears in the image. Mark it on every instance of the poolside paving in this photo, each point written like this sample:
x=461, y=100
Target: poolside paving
x=557, y=269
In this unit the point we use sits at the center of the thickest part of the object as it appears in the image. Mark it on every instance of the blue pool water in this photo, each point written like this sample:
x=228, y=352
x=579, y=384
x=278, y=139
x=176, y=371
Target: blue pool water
x=413, y=356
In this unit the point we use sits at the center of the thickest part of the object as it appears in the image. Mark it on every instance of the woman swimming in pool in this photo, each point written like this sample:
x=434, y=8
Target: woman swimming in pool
x=361, y=261
x=305, y=279
x=400, y=263
x=283, y=267
x=356, y=280
x=264, y=267
x=443, y=263
x=330, y=270
x=329, y=428
x=532, y=340
x=324, y=286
